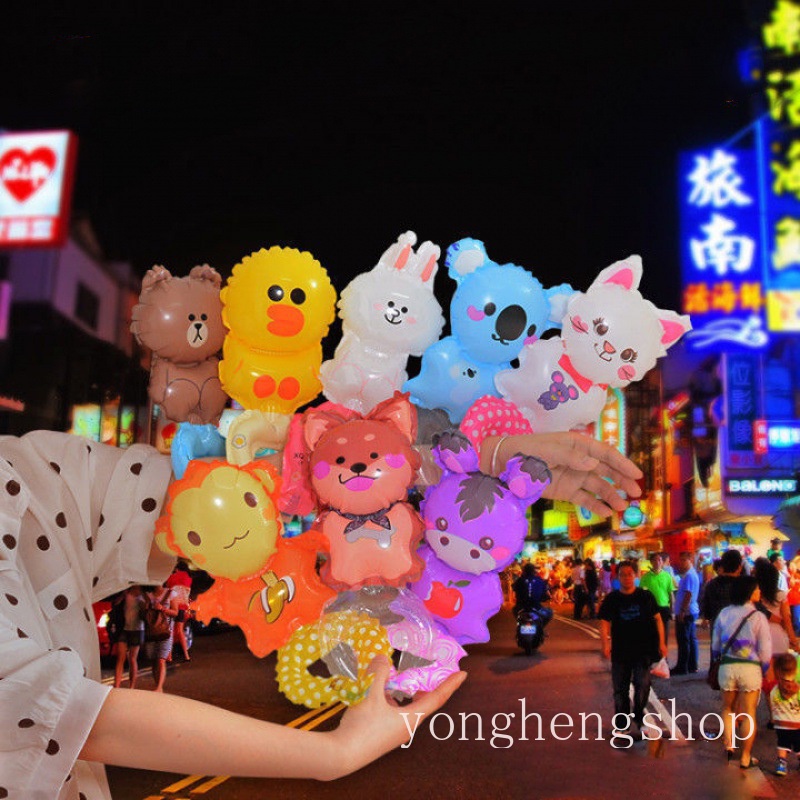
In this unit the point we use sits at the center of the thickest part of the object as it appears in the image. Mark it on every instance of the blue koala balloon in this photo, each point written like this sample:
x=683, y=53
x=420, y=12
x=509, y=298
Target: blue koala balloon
x=496, y=309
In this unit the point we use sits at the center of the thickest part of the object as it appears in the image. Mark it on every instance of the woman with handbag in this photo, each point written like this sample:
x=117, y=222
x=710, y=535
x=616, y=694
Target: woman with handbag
x=741, y=649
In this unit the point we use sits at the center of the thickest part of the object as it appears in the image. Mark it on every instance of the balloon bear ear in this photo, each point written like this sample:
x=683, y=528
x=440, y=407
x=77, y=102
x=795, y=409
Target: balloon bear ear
x=317, y=424
x=398, y=411
x=626, y=273
x=204, y=272
x=155, y=275
x=526, y=477
x=453, y=452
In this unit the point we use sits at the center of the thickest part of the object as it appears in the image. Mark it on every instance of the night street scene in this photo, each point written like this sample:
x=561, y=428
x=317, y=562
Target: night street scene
x=400, y=400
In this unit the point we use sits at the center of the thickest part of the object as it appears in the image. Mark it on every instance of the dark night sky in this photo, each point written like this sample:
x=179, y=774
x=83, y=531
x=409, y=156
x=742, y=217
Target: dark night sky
x=548, y=129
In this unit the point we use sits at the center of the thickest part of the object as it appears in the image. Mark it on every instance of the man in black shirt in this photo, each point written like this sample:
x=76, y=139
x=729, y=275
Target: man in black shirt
x=632, y=636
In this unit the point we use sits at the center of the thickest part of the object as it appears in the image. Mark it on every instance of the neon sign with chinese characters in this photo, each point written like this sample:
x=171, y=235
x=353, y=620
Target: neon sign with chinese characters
x=721, y=250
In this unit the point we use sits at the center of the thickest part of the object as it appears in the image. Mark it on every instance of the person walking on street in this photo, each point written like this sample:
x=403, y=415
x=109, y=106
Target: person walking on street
x=579, y=596
x=591, y=582
x=632, y=636
x=132, y=636
x=742, y=640
x=785, y=702
x=717, y=592
x=659, y=583
x=687, y=610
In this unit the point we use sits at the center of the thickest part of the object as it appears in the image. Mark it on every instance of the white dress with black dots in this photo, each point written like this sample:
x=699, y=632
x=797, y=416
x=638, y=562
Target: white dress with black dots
x=76, y=525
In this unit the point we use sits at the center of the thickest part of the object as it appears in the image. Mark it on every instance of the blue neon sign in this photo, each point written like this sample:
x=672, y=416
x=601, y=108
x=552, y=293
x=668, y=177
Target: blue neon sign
x=721, y=245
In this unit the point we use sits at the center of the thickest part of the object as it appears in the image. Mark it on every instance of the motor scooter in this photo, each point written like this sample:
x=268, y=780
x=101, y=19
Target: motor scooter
x=531, y=623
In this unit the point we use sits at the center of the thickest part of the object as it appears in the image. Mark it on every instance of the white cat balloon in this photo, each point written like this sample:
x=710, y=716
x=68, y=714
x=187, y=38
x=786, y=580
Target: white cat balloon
x=611, y=336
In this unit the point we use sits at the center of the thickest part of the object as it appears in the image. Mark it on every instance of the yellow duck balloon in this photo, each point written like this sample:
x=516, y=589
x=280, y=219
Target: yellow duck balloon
x=277, y=305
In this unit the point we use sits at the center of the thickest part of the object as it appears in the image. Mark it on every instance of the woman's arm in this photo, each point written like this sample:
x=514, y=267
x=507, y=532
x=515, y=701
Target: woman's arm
x=786, y=622
x=135, y=729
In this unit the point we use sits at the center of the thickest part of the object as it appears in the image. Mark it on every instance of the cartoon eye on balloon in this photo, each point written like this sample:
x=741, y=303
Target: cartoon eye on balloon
x=611, y=336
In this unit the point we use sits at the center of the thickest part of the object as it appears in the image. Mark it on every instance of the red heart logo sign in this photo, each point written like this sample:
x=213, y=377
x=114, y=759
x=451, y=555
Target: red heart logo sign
x=24, y=173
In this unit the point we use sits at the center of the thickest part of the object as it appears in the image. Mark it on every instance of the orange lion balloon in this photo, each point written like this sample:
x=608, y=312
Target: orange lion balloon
x=224, y=519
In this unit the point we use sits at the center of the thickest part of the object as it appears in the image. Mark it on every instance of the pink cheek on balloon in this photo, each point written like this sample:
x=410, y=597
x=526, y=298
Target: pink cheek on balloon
x=531, y=339
x=626, y=373
x=500, y=553
x=474, y=314
x=378, y=306
x=321, y=470
x=395, y=460
x=411, y=320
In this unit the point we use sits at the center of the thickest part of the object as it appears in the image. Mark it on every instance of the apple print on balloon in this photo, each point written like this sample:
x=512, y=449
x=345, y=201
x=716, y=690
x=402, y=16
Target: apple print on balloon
x=474, y=526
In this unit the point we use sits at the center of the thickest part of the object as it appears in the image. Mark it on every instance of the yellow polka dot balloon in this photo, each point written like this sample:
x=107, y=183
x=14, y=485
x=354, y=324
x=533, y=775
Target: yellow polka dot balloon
x=365, y=637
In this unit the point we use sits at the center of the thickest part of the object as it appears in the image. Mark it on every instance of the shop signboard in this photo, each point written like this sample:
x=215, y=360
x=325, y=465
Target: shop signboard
x=721, y=250
x=36, y=178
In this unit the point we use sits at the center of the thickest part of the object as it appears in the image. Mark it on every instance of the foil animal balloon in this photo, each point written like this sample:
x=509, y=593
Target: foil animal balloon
x=361, y=470
x=180, y=320
x=495, y=310
x=387, y=314
x=474, y=526
x=277, y=306
x=611, y=336
x=223, y=519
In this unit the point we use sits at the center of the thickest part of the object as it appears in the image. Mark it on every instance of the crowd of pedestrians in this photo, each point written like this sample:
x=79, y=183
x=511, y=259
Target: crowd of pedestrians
x=751, y=608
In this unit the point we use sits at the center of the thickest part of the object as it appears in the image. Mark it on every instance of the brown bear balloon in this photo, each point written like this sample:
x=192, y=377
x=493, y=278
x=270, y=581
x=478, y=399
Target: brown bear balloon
x=180, y=320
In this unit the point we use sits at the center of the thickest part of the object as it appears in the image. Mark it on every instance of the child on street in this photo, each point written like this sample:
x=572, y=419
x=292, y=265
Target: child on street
x=785, y=701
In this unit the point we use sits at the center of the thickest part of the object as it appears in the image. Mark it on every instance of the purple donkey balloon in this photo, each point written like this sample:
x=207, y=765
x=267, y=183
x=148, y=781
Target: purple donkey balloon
x=474, y=526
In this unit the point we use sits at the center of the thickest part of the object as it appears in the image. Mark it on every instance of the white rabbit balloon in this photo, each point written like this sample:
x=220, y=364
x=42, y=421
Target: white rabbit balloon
x=388, y=314
x=611, y=336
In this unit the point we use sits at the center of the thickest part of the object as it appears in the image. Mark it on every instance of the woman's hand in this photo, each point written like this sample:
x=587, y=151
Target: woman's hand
x=585, y=471
x=377, y=725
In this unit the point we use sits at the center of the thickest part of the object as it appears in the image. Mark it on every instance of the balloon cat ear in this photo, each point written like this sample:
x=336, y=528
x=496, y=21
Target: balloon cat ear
x=626, y=274
x=674, y=325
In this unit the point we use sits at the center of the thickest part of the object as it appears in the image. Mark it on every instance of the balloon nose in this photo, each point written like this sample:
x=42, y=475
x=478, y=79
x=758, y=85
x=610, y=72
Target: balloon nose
x=358, y=468
x=608, y=347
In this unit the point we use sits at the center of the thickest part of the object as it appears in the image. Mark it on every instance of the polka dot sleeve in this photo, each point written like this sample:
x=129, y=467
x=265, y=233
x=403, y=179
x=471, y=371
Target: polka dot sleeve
x=47, y=708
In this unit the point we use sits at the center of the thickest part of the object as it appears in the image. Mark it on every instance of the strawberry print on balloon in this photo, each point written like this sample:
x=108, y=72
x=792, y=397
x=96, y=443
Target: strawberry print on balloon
x=610, y=337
